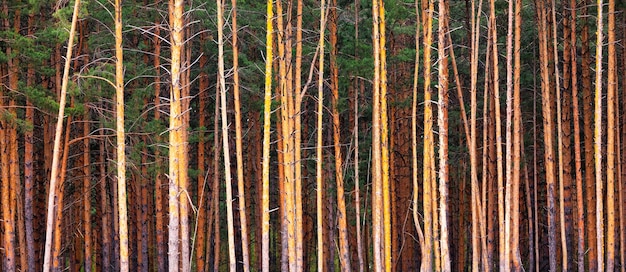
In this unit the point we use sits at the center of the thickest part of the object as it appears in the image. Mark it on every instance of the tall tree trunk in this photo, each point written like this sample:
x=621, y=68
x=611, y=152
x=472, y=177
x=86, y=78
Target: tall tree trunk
x=176, y=144
x=377, y=191
x=580, y=216
x=588, y=140
x=104, y=205
x=319, y=155
x=442, y=123
x=265, y=205
x=475, y=193
x=201, y=242
x=548, y=133
x=29, y=171
x=57, y=258
x=518, y=136
x=559, y=116
x=566, y=139
x=297, y=120
x=502, y=242
x=622, y=150
x=428, y=168
x=414, y=204
x=597, y=135
x=611, y=135
x=225, y=144
x=8, y=148
x=8, y=241
x=57, y=142
x=87, y=193
x=384, y=139
x=121, y=145
x=214, y=214
x=344, y=250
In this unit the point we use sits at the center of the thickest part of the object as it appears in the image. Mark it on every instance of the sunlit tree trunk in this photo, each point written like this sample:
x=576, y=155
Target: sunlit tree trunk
x=611, y=135
x=176, y=144
x=597, y=143
x=508, y=188
x=225, y=144
x=121, y=145
x=319, y=155
x=238, y=142
x=442, y=123
x=297, y=121
x=57, y=258
x=7, y=146
x=384, y=138
x=518, y=140
x=57, y=143
x=428, y=168
x=502, y=242
x=265, y=199
x=8, y=237
x=622, y=150
x=377, y=193
x=559, y=128
x=475, y=193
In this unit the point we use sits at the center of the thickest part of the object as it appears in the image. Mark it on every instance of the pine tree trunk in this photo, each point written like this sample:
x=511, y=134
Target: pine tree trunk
x=201, y=242
x=442, y=123
x=29, y=171
x=87, y=194
x=428, y=168
x=588, y=140
x=318, y=147
x=159, y=191
x=121, y=146
x=58, y=259
x=518, y=147
x=176, y=145
x=344, y=250
x=104, y=205
x=225, y=143
x=265, y=205
x=611, y=135
x=475, y=193
x=597, y=135
x=57, y=144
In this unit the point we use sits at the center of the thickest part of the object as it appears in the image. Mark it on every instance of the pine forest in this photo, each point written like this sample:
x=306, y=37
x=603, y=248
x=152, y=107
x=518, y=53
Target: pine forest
x=312, y=135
